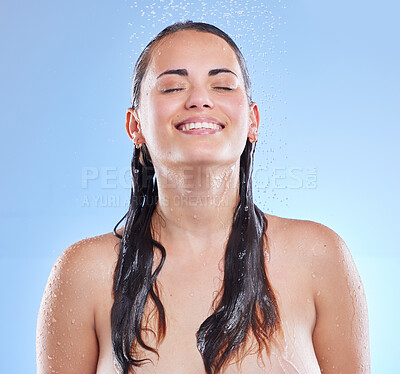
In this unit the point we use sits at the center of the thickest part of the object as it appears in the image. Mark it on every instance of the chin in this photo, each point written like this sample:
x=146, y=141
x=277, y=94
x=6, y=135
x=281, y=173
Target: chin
x=208, y=159
x=205, y=154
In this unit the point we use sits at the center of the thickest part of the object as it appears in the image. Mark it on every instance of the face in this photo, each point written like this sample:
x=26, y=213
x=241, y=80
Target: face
x=193, y=106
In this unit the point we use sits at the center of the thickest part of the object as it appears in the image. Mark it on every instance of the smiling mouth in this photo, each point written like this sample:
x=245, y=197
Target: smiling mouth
x=200, y=127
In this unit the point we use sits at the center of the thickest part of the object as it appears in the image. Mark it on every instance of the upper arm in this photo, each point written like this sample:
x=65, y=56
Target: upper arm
x=66, y=340
x=340, y=337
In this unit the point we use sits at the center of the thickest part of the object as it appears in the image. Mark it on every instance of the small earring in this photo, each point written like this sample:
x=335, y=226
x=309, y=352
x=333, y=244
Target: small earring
x=138, y=145
x=254, y=138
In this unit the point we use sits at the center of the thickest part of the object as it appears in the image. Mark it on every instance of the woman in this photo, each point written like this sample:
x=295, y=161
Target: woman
x=199, y=279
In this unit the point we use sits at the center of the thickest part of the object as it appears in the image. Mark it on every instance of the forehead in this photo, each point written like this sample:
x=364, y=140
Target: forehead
x=192, y=49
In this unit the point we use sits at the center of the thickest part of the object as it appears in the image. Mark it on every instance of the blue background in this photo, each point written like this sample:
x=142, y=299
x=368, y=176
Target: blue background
x=325, y=76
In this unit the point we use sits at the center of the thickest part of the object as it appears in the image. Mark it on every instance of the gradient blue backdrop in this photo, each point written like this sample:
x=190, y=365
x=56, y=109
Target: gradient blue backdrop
x=325, y=75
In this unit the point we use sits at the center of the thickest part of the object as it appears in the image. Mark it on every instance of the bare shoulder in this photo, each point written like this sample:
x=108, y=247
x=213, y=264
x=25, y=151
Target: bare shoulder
x=340, y=335
x=326, y=250
x=87, y=263
x=306, y=238
x=84, y=271
x=79, y=285
x=90, y=256
x=317, y=248
x=300, y=229
x=308, y=253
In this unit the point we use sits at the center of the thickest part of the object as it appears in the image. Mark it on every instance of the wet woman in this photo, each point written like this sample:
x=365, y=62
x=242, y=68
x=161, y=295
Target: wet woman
x=199, y=280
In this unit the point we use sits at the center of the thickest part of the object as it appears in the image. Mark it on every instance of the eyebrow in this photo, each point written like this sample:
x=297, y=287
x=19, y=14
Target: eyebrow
x=218, y=71
x=184, y=72
x=181, y=72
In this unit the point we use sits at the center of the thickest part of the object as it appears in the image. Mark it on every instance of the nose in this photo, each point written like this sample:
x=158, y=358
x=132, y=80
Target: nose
x=199, y=98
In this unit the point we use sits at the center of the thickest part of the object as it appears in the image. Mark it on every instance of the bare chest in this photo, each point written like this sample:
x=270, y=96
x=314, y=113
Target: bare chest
x=188, y=297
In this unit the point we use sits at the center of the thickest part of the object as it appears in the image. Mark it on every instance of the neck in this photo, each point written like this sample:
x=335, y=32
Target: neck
x=196, y=205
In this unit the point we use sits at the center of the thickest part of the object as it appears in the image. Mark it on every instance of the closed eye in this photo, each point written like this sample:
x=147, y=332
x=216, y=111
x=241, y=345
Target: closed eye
x=223, y=88
x=172, y=90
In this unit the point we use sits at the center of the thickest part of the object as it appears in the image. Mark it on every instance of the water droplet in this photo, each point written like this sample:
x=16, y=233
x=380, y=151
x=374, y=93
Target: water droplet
x=73, y=321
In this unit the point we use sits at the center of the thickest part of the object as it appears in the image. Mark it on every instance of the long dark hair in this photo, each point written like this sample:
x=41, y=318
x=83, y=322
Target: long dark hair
x=247, y=304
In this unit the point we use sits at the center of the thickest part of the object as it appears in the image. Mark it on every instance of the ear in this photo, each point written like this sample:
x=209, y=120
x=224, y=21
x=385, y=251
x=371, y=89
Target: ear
x=132, y=124
x=254, y=120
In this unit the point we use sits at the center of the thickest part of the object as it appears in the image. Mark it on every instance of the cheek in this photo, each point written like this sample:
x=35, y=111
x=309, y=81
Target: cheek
x=162, y=108
x=155, y=114
x=238, y=108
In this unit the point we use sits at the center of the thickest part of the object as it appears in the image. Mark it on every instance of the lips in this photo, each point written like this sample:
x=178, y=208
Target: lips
x=200, y=125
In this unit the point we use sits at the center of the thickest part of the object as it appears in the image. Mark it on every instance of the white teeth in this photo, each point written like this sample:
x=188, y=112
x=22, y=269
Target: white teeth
x=200, y=125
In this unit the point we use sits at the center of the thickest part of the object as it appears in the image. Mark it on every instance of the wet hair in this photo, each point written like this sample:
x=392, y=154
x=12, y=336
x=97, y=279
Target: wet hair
x=246, y=304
